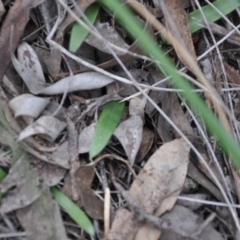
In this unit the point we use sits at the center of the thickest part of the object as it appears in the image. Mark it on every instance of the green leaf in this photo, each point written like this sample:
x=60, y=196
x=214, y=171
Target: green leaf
x=73, y=211
x=107, y=123
x=224, y=6
x=79, y=33
x=2, y=174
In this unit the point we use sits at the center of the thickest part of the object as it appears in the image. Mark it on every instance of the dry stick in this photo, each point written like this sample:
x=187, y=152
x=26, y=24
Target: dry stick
x=141, y=216
x=106, y=212
x=73, y=153
x=50, y=41
x=212, y=203
x=113, y=156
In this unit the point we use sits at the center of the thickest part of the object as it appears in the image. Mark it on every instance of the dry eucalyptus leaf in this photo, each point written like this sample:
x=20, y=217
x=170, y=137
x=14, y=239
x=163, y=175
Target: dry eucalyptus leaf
x=46, y=125
x=16, y=20
x=172, y=107
x=188, y=222
x=157, y=186
x=161, y=178
x=82, y=81
x=28, y=69
x=28, y=105
x=111, y=35
x=146, y=143
x=85, y=138
x=61, y=154
x=49, y=174
x=42, y=219
x=26, y=186
x=177, y=23
x=129, y=134
x=91, y=203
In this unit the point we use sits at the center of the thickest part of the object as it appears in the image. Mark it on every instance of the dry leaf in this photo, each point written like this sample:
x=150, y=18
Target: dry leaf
x=28, y=105
x=49, y=174
x=26, y=186
x=157, y=186
x=91, y=203
x=177, y=23
x=85, y=138
x=46, y=125
x=82, y=81
x=172, y=107
x=111, y=35
x=29, y=68
x=188, y=222
x=159, y=183
x=146, y=143
x=17, y=16
x=42, y=220
x=129, y=132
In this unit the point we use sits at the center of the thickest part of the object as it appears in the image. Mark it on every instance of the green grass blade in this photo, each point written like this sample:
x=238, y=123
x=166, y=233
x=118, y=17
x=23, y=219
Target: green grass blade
x=107, y=123
x=79, y=33
x=224, y=6
x=127, y=20
x=2, y=174
x=73, y=211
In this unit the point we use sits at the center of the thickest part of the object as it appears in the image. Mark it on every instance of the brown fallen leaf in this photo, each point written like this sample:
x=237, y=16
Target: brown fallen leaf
x=188, y=222
x=232, y=75
x=176, y=20
x=17, y=18
x=157, y=186
x=129, y=132
x=91, y=203
x=45, y=224
x=172, y=107
x=146, y=143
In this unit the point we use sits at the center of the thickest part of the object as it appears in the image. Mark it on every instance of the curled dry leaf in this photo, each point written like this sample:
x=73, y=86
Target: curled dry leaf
x=85, y=138
x=29, y=68
x=83, y=81
x=45, y=125
x=28, y=105
x=158, y=185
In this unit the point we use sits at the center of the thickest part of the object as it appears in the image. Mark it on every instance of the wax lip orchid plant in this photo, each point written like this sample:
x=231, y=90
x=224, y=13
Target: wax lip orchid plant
x=125, y=17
